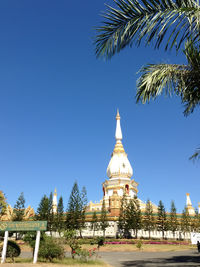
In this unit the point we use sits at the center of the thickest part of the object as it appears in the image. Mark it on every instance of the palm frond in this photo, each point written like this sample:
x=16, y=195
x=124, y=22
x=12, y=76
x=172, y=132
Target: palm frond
x=196, y=155
x=160, y=78
x=183, y=80
x=153, y=20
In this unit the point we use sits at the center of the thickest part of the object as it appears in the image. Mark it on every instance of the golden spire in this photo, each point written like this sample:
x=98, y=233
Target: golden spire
x=55, y=192
x=118, y=116
x=118, y=136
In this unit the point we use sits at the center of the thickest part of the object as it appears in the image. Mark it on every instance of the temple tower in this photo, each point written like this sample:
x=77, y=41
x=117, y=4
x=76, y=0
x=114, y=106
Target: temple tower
x=55, y=203
x=189, y=207
x=119, y=172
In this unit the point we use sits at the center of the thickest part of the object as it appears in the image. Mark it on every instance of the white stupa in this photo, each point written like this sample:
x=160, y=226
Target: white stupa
x=119, y=170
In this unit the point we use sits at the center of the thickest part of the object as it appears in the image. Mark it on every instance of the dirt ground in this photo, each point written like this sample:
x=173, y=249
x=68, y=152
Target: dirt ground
x=49, y=265
x=127, y=247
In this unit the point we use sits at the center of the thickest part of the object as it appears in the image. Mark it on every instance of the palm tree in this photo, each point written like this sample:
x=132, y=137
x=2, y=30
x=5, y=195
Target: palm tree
x=172, y=22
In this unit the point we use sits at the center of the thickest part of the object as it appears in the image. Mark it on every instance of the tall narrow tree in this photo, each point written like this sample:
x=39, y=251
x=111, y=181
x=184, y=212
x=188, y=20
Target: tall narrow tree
x=195, y=222
x=173, y=221
x=103, y=219
x=138, y=216
x=51, y=217
x=83, y=206
x=60, y=216
x=3, y=203
x=19, y=208
x=122, y=216
x=43, y=209
x=94, y=223
x=149, y=220
x=73, y=217
x=130, y=218
x=185, y=224
x=161, y=219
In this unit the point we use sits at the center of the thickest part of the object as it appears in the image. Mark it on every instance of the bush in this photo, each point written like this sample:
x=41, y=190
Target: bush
x=50, y=249
x=100, y=241
x=13, y=249
x=72, y=241
x=139, y=244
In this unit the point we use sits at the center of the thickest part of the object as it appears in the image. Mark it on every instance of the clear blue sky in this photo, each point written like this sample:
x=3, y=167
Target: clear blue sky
x=58, y=105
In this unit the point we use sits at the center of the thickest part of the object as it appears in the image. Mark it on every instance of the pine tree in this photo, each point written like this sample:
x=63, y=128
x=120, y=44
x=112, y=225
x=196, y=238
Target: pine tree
x=149, y=221
x=43, y=209
x=60, y=216
x=94, y=223
x=19, y=208
x=83, y=206
x=122, y=216
x=130, y=219
x=103, y=219
x=138, y=216
x=73, y=217
x=185, y=221
x=3, y=203
x=173, y=222
x=51, y=217
x=162, y=219
x=195, y=222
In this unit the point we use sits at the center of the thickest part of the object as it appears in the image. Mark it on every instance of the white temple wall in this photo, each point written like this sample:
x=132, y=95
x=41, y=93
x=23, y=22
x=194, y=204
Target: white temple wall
x=112, y=229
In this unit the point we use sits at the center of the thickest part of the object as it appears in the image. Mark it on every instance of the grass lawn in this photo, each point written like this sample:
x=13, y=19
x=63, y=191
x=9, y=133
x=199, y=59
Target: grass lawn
x=127, y=247
x=145, y=247
x=19, y=262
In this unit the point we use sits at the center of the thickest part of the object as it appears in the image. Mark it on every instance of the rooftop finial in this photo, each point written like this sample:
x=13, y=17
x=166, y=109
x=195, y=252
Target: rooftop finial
x=55, y=192
x=118, y=132
x=118, y=116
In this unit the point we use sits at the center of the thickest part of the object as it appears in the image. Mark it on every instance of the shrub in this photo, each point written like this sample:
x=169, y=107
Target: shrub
x=50, y=249
x=13, y=250
x=139, y=244
x=72, y=241
x=100, y=241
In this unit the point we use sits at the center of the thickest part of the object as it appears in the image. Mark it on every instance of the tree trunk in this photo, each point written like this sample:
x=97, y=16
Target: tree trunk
x=163, y=234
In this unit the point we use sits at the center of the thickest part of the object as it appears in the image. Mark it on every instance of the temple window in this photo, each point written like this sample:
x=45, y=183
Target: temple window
x=127, y=189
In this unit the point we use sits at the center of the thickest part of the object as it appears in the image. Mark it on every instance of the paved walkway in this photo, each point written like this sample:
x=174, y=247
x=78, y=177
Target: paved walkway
x=139, y=259
x=152, y=259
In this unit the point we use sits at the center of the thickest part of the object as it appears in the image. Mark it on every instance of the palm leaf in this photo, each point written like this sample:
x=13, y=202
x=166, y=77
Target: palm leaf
x=183, y=80
x=154, y=20
x=196, y=155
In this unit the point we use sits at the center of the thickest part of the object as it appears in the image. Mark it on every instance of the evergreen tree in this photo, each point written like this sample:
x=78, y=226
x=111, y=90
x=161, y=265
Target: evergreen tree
x=3, y=203
x=94, y=223
x=130, y=219
x=185, y=221
x=43, y=209
x=195, y=222
x=138, y=216
x=103, y=219
x=45, y=212
x=173, y=222
x=51, y=217
x=149, y=221
x=122, y=216
x=60, y=216
x=162, y=219
x=74, y=209
x=83, y=206
x=19, y=208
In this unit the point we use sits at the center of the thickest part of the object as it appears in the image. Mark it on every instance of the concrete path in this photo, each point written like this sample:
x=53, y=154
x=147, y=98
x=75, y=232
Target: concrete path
x=146, y=259
x=152, y=259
